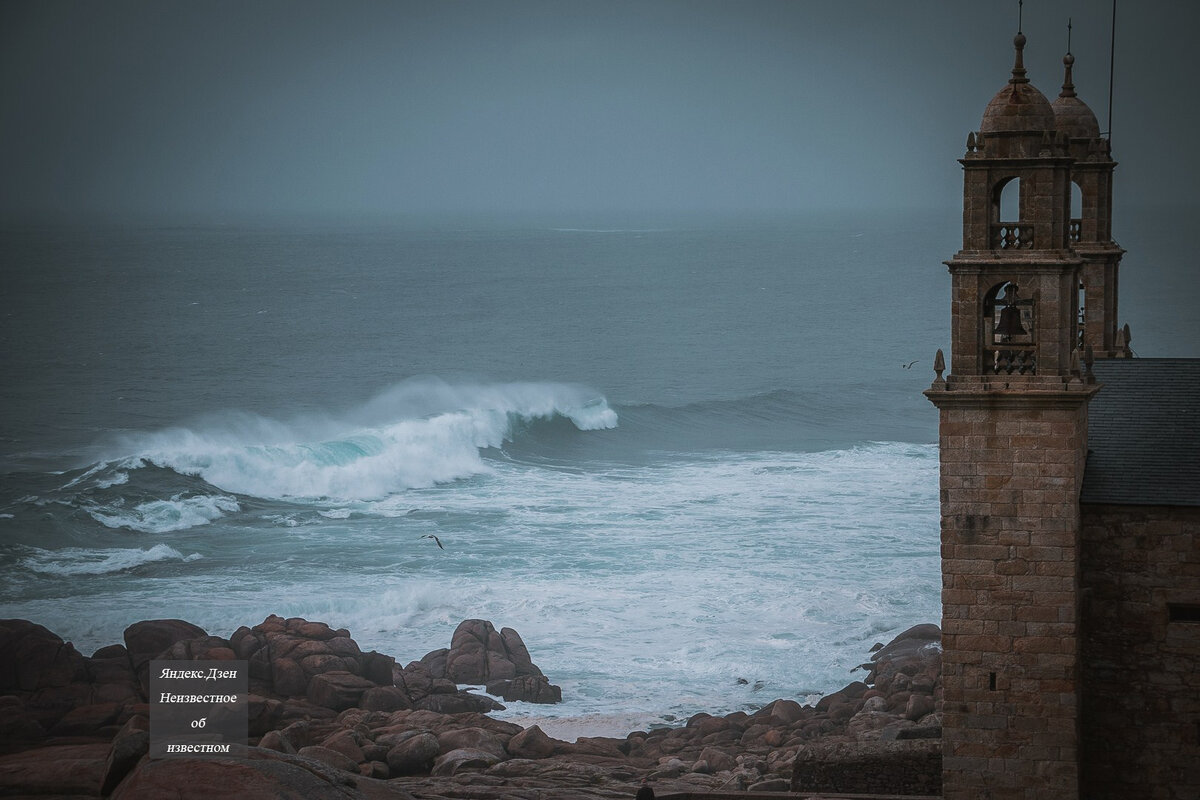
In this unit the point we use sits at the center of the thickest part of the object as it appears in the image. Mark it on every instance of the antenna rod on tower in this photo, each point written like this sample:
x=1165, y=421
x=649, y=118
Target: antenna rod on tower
x=1021, y=12
x=1112, y=52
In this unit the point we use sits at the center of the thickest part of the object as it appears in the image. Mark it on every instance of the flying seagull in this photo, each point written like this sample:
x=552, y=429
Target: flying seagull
x=436, y=539
x=908, y=365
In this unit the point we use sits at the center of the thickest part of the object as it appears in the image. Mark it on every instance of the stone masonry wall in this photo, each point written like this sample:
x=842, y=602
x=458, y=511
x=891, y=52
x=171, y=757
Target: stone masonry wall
x=1011, y=467
x=912, y=767
x=1140, y=669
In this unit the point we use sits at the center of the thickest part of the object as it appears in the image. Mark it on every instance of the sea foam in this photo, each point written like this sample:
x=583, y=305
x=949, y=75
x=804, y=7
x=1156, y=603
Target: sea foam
x=71, y=561
x=160, y=516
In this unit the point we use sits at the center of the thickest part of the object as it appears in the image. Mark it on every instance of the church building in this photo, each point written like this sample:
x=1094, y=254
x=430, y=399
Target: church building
x=1070, y=485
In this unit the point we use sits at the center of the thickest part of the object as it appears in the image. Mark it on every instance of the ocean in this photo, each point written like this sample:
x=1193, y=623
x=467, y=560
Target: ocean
x=686, y=458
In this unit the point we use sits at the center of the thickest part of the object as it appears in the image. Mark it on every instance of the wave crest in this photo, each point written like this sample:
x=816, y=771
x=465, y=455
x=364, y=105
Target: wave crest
x=415, y=435
x=82, y=561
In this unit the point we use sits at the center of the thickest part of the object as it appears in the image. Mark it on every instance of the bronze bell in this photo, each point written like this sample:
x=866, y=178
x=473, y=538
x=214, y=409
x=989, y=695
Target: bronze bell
x=1010, y=323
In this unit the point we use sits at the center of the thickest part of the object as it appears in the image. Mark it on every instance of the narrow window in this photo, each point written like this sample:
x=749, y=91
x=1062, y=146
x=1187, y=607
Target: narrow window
x=992, y=681
x=1183, y=612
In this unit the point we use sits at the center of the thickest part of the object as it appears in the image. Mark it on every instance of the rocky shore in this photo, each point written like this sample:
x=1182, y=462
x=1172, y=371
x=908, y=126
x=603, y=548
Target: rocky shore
x=327, y=720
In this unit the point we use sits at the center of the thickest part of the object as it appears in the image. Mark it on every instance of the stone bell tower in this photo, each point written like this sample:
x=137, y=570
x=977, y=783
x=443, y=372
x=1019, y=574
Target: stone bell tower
x=1013, y=442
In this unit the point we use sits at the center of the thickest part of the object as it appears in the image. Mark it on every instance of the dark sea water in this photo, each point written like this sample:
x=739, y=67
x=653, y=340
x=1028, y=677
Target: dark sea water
x=672, y=453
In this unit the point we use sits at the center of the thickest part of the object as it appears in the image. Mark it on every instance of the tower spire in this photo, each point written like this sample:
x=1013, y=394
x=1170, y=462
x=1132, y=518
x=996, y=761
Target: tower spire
x=1068, y=87
x=1018, y=72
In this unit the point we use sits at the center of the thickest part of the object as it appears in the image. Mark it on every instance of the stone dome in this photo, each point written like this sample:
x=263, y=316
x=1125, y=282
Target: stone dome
x=1019, y=106
x=1071, y=115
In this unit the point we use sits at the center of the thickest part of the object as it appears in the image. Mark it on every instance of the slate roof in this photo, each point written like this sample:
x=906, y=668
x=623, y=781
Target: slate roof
x=1144, y=433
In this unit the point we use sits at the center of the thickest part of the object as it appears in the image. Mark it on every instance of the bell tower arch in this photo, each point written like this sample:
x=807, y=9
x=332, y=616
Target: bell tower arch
x=1013, y=444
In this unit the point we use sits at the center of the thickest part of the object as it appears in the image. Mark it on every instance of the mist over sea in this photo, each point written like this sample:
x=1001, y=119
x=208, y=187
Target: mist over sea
x=671, y=452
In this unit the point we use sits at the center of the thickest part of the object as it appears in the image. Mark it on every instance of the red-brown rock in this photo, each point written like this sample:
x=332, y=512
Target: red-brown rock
x=531, y=743
x=260, y=773
x=57, y=771
x=384, y=698
x=526, y=688
x=145, y=640
x=413, y=755
x=328, y=756
x=337, y=690
x=32, y=658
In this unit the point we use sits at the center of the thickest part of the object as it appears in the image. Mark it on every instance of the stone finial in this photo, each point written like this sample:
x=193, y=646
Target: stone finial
x=1125, y=338
x=972, y=146
x=1074, y=379
x=1018, y=72
x=1068, y=88
x=1089, y=358
x=939, y=366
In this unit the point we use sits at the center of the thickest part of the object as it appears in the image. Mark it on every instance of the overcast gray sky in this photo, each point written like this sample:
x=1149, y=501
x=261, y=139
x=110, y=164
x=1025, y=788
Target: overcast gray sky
x=216, y=109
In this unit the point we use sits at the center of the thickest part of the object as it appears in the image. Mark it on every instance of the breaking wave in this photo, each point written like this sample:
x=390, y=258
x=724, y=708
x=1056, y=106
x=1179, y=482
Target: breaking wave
x=417, y=434
x=71, y=561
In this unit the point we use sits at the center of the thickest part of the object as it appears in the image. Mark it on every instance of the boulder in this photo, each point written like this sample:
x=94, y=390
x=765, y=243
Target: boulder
x=287, y=678
x=472, y=739
x=848, y=693
x=466, y=759
x=531, y=743
x=518, y=653
x=57, y=771
x=286, y=655
x=479, y=654
x=130, y=744
x=458, y=703
x=717, y=760
x=413, y=755
x=347, y=743
x=526, y=688
x=328, y=756
x=263, y=714
x=433, y=662
x=918, y=706
x=911, y=640
x=201, y=648
x=87, y=720
x=32, y=658
x=787, y=711
x=384, y=698
x=113, y=678
x=337, y=690
x=147, y=639
x=376, y=667
x=112, y=651
x=17, y=724
x=275, y=740
x=314, y=630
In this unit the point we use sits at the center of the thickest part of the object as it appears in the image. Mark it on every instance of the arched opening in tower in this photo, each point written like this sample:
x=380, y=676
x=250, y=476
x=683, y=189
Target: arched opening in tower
x=1008, y=331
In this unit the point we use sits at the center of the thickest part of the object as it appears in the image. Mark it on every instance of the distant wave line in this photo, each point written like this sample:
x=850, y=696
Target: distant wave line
x=612, y=230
